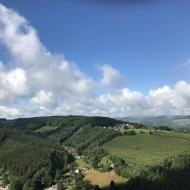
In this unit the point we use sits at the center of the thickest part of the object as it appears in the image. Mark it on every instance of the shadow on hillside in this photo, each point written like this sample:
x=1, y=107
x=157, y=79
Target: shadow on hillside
x=170, y=179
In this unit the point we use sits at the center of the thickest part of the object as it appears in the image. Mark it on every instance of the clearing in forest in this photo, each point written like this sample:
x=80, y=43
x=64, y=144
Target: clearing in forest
x=104, y=179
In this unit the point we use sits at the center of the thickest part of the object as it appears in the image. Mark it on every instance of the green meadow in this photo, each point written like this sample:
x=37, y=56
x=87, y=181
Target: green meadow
x=105, y=160
x=140, y=130
x=81, y=163
x=182, y=122
x=146, y=148
x=47, y=128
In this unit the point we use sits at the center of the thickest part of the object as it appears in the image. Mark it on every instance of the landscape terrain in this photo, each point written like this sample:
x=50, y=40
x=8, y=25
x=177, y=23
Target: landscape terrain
x=81, y=152
x=174, y=121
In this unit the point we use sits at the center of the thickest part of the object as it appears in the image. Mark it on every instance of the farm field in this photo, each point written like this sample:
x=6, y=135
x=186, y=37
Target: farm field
x=139, y=130
x=182, y=122
x=148, y=149
x=47, y=128
x=103, y=179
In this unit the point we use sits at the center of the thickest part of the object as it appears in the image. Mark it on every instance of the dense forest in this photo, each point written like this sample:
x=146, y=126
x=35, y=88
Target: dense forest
x=24, y=158
x=33, y=153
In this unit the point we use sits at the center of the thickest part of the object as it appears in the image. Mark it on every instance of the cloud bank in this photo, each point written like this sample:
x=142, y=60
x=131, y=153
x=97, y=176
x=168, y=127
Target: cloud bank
x=36, y=82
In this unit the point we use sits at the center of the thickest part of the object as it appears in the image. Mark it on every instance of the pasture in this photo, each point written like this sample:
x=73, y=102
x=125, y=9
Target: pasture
x=140, y=130
x=182, y=122
x=105, y=160
x=81, y=163
x=47, y=128
x=148, y=149
x=103, y=179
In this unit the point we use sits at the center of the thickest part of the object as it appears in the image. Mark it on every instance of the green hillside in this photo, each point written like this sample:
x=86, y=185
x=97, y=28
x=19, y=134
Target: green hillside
x=30, y=162
x=146, y=148
x=32, y=153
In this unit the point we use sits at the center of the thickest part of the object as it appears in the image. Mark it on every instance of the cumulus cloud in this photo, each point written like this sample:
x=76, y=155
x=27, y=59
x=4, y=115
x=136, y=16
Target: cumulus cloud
x=36, y=74
x=10, y=112
x=111, y=76
x=38, y=82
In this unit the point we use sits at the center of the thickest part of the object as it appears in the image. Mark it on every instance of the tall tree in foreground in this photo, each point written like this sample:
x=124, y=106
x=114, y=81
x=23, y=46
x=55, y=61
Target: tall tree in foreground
x=112, y=185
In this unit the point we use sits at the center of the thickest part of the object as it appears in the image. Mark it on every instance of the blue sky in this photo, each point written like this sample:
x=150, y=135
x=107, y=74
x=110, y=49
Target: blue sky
x=112, y=58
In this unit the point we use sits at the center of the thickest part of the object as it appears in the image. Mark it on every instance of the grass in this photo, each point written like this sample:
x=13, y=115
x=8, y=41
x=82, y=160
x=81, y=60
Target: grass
x=103, y=179
x=148, y=149
x=81, y=163
x=47, y=128
x=104, y=160
x=139, y=130
x=80, y=160
x=181, y=122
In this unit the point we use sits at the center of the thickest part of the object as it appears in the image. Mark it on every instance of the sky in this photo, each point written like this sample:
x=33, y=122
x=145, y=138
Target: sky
x=114, y=58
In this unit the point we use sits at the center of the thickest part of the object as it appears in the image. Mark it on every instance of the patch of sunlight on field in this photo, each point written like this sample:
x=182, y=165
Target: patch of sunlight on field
x=147, y=149
x=104, y=179
x=105, y=160
x=140, y=130
x=81, y=163
x=47, y=128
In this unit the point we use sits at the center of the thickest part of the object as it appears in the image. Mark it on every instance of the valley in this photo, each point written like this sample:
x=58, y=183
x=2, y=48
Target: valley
x=81, y=152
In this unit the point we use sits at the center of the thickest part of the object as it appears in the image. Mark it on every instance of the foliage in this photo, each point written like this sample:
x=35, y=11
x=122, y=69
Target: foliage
x=112, y=185
x=172, y=173
x=25, y=157
x=148, y=149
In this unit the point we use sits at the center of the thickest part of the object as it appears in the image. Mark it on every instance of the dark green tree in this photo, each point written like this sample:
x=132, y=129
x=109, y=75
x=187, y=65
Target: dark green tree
x=61, y=186
x=112, y=185
x=47, y=180
x=15, y=184
x=96, y=187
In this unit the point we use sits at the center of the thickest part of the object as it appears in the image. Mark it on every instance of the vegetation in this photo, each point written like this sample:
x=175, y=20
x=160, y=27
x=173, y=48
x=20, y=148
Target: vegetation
x=170, y=121
x=103, y=179
x=148, y=149
x=38, y=152
x=30, y=161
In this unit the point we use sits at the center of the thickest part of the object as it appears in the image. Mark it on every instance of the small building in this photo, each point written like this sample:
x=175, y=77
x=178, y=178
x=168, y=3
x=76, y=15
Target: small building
x=112, y=165
x=85, y=168
x=54, y=187
x=76, y=171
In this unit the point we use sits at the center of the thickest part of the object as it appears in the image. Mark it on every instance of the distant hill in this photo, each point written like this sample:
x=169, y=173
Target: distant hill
x=174, y=121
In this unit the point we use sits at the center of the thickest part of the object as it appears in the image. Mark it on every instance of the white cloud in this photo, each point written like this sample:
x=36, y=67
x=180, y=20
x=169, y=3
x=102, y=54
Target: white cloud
x=111, y=76
x=11, y=112
x=44, y=99
x=41, y=83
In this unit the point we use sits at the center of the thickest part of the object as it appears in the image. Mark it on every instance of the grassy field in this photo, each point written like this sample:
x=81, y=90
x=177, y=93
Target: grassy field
x=81, y=163
x=148, y=149
x=181, y=122
x=139, y=130
x=103, y=179
x=104, y=160
x=46, y=128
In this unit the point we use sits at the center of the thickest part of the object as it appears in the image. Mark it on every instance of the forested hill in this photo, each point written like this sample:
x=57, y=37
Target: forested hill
x=30, y=162
x=35, y=123
x=56, y=128
x=31, y=151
